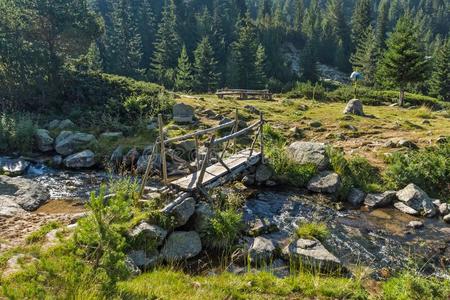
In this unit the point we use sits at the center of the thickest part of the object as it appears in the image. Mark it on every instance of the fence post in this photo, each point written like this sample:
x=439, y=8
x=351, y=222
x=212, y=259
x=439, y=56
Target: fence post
x=197, y=152
x=163, y=148
x=261, y=135
x=205, y=162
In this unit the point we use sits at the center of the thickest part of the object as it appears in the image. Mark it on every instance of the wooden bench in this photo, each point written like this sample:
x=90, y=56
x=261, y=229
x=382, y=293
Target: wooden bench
x=244, y=94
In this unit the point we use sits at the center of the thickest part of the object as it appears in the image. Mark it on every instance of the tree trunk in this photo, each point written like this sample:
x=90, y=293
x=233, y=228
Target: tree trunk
x=401, y=99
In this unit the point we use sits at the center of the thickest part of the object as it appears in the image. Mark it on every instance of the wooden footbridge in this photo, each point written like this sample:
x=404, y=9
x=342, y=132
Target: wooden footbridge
x=244, y=94
x=230, y=162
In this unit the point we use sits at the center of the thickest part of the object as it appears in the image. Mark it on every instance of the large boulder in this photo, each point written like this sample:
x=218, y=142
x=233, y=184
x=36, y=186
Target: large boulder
x=68, y=144
x=325, y=182
x=183, y=113
x=66, y=124
x=309, y=152
x=356, y=197
x=354, y=107
x=414, y=197
x=116, y=157
x=26, y=193
x=263, y=173
x=13, y=167
x=43, y=140
x=405, y=209
x=149, y=233
x=181, y=212
x=261, y=251
x=380, y=199
x=313, y=254
x=202, y=216
x=8, y=207
x=181, y=245
x=80, y=160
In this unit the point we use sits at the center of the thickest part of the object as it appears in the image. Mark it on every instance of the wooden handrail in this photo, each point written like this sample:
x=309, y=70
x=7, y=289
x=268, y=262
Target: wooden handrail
x=237, y=134
x=198, y=133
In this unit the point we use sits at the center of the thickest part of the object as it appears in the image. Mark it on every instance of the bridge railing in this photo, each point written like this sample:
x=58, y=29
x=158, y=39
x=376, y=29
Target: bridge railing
x=228, y=141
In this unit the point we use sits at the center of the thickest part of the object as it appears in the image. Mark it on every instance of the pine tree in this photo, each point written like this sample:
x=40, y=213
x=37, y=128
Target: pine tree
x=440, y=80
x=404, y=61
x=337, y=21
x=260, y=68
x=206, y=75
x=366, y=57
x=184, y=80
x=167, y=47
x=361, y=20
x=382, y=23
x=145, y=20
x=299, y=14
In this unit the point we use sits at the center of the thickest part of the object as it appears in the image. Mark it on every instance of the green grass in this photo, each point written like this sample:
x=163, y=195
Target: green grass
x=39, y=234
x=223, y=229
x=312, y=230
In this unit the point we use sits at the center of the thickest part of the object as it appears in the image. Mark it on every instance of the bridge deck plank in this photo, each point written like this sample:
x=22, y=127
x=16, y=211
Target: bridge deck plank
x=216, y=171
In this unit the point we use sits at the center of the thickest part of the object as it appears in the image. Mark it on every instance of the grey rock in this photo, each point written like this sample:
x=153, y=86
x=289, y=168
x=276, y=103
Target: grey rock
x=261, y=251
x=181, y=245
x=8, y=207
x=260, y=226
x=202, y=216
x=407, y=144
x=325, y=182
x=443, y=209
x=144, y=259
x=131, y=266
x=74, y=142
x=183, y=113
x=111, y=136
x=185, y=149
x=442, y=140
x=309, y=152
x=354, y=107
x=43, y=140
x=315, y=124
x=416, y=198
x=56, y=160
x=183, y=211
x=313, y=254
x=263, y=173
x=131, y=158
x=415, y=224
x=406, y=209
x=356, y=197
x=141, y=165
x=53, y=124
x=66, y=124
x=117, y=157
x=28, y=194
x=248, y=180
x=380, y=199
x=83, y=159
x=151, y=233
x=446, y=219
x=13, y=167
x=62, y=135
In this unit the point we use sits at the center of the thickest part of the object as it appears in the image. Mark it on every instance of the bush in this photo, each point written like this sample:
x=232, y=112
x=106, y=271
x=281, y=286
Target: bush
x=223, y=229
x=309, y=91
x=429, y=168
x=312, y=230
x=40, y=234
x=17, y=132
x=413, y=286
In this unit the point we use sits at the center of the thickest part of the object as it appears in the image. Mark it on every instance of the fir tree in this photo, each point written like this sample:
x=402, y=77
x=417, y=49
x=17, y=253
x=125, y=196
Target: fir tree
x=184, y=79
x=404, y=61
x=167, y=47
x=382, y=23
x=361, y=20
x=260, y=68
x=206, y=75
x=366, y=56
x=308, y=63
x=440, y=80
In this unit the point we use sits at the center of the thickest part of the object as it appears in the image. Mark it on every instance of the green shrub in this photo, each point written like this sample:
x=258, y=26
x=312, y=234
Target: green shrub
x=312, y=230
x=17, y=132
x=223, y=229
x=408, y=285
x=308, y=90
x=40, y=234
x=428, y=168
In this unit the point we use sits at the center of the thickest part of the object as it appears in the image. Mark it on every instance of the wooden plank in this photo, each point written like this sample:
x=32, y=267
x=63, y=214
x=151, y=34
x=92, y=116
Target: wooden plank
x=216, y=171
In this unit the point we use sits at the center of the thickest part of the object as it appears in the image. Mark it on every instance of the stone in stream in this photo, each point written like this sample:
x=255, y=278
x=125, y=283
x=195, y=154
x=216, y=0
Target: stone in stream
x=309, y=152
x=263, y=173
x=181, y=245
x=354, y=107
x=406, y=209
x=261, y=251
x=416, y=198
x=13, y=167
x=28, y=194
x=443, y=209
x=43, y=140
x=380, y=199
x=183, y=113
x=415, y=224
x=313, y=254
x=356, y=197
x=83, y=159
x=150, y=233
x=446, y=218
x=325, y=182
x=261, y=226
x=71, y=143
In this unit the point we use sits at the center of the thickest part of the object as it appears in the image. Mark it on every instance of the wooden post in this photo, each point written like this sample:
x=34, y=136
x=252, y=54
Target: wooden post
x=163, y=148
x=236, y=119
x=197, y=152
x=261, y=135
x=205, y=162
x=148, y=169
